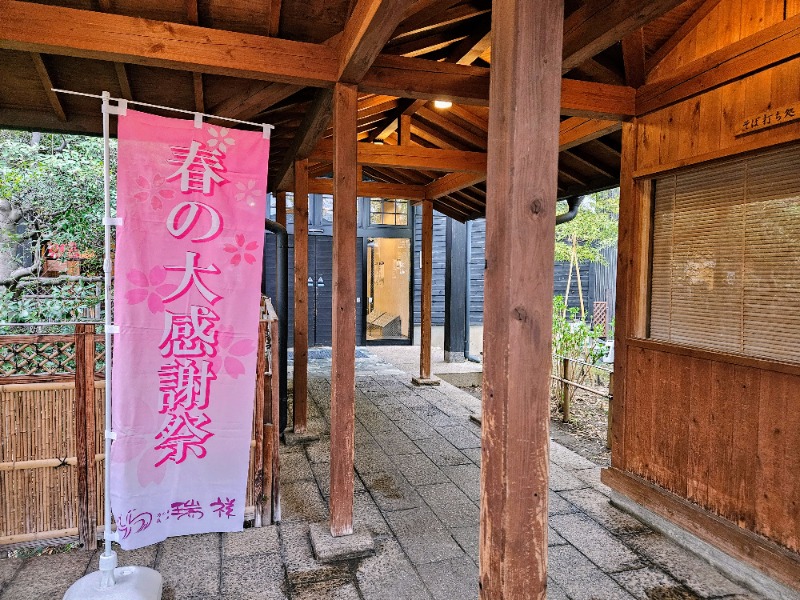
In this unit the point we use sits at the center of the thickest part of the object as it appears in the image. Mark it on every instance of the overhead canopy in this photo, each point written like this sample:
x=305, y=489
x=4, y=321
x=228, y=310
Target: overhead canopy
x=276, y=61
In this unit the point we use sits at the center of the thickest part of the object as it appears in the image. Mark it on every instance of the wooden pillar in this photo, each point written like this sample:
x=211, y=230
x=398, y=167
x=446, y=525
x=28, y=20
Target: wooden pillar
x=426, y=291
x=521, y=210
x=85, y=435
x=345, y=171
x=280, y=208
x=300, y=296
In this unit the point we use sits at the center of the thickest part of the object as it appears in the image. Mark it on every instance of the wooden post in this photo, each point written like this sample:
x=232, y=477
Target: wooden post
x=426, y=304
x=259, y=420
x=345, y=104
x=404, y=130
x=85, y=435
x=300, y=413
x=521, y=211
x=610, y=403
x=280, y=208
x=565, y=373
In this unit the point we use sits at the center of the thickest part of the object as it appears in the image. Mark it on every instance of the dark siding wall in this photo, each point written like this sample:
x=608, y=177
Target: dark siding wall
x=560, y=276
x=439, y=249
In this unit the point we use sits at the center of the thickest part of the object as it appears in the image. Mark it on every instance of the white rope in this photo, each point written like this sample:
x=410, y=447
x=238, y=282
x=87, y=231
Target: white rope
x=266, y=127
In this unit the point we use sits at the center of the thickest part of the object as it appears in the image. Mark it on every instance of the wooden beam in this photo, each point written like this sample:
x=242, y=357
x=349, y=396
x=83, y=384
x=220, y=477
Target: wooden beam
x=308, y=135
x=684, y=30
x=409, y=157
x=453, y=129
x=47, y=83
x=599, y=24
x=404, y=129
x=345, y=105
x=597, y=100
x=280, y=208
x=257, y=98
x=124, y=81
x=274, y=17
x=300, y=412
x=365, y=34
x=426, y=292
x=199, y=96
x=775, y=44
x=524, y=113
x=633, y=57
x=452, y=182
x=47, y=29
x=576, y=131
x=373, y=189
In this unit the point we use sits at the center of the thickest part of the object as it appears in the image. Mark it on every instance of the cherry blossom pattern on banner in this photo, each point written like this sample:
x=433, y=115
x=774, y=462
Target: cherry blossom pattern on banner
x=242, y=250
x=229, y=352
x=220, y=139
x=150, y=287
x=248, y=192
x=153, y=191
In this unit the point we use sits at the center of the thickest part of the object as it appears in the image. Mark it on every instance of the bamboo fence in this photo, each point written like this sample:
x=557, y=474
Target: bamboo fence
x=52, y=399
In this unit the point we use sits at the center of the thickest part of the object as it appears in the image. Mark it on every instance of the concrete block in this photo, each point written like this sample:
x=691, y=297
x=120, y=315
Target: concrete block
x=332, y=549
x=579, y=578
x=254, y=578
x=426, y=381
x=595, y=543
x=253, y=541
x=455, y=578
x=389, y=575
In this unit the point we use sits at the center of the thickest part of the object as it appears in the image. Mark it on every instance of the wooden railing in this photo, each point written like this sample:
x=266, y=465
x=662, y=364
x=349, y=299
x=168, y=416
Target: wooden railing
x=52, y=400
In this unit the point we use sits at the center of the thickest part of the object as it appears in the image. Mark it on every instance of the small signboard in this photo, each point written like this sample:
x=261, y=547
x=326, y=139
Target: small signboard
x=769, y=119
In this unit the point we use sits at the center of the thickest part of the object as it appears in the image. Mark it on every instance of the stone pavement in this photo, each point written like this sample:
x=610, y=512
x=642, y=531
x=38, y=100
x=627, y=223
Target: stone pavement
x=417, y=491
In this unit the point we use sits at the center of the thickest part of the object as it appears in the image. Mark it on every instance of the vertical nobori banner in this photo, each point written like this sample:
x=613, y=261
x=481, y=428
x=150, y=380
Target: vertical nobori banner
x=187, y=297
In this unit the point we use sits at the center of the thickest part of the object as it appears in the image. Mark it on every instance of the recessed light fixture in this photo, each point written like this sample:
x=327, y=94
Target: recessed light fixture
x=442, y=104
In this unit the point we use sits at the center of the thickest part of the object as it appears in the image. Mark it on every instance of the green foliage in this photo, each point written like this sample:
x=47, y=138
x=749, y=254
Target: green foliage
x=574, y=338
x=594, y=228
x=62, y=303
x=56, y=181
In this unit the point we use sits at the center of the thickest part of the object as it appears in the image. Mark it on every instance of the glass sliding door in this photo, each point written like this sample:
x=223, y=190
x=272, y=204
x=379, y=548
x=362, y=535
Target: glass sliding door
x=388, y=289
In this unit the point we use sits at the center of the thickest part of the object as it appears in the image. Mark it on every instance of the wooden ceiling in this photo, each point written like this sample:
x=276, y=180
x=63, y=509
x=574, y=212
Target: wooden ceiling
x=228, y=57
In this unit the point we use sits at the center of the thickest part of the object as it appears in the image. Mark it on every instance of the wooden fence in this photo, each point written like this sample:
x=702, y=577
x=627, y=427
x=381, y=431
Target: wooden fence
x=52, y=405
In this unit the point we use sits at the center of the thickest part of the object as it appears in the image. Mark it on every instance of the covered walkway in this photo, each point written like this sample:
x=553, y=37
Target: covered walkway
x=417, y=491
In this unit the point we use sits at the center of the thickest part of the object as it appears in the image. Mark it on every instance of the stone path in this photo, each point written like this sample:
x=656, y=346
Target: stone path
x=417, y=491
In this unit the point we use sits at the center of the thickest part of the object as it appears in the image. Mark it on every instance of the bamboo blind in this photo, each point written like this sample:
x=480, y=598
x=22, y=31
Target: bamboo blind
x=726, y=256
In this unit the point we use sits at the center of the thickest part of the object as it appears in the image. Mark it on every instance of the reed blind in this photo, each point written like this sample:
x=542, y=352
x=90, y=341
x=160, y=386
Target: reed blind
x=726, y=257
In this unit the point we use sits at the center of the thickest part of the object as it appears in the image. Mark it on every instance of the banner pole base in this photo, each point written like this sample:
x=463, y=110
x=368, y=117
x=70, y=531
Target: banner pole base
x=131, y=583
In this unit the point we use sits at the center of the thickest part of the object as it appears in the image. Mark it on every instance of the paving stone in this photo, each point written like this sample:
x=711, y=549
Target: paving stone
x=389, y=575
x=294, y=466
x=566, y=458
x=456, y=578
x=595, y=543
x=597, y=506
x=413, y=426
x=366, y=514
x=391, y=491
x=649, y=583
x=469, y=540
x=442, y=452
x=8, y=568
x=460, y=437
x=474, y=454
x=561, y=479
x=554, y=591
x=687, y=568
x=467, y=478
x=319, y=452
x=579, y=578
x=327, y=590
x=397, y=443
x=422, y=536
x=190, y=565
x=254, y=578
x=301, y=566
x=450, y=504
x=302, y=501
x=370, y=458
x=251, y=542
x=333, y=549
x=553, y=539
x=592, y=477
x=322, y=476
x=418, y=469
x=143, y=557
x=556, y=505
x=47, y=576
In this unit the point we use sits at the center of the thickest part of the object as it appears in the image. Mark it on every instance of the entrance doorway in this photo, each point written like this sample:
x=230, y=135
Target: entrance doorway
x=388, y=286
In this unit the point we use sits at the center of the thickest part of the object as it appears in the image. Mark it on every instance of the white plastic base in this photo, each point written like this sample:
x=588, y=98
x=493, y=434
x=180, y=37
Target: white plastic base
x=133, y=583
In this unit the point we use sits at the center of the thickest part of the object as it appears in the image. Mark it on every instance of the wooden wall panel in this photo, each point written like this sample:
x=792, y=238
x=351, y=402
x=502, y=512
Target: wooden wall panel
x=728, y=22
x=722, y=434
x=792, y=8
x=704, y=128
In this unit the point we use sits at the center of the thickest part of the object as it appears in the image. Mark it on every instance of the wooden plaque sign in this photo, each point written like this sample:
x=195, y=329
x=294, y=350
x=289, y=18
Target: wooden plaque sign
x=769, y=119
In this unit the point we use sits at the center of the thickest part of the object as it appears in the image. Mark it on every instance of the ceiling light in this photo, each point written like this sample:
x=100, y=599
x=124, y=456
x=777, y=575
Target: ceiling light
x=442, y=103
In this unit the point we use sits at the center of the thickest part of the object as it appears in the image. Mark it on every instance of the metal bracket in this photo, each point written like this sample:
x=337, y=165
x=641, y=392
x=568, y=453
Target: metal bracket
x=111, y=435
x=113, y=221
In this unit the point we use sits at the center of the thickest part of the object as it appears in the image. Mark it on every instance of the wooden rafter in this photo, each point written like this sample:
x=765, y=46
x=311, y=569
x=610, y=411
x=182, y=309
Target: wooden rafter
x=409, y=157
x=255, y=99
x=633, y=58
x=684, y=30
x=124, y=81
x=44, y=76
x=452, y=182
x=576, y=131
x=274, y=18
x=598, y=24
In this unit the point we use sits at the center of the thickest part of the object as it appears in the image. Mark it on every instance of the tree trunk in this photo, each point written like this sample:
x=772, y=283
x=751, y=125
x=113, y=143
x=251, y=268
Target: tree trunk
x=9, y=218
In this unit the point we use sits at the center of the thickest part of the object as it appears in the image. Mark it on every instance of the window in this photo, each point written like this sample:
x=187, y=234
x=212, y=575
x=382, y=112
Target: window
x=388, y=212
x=726, y=257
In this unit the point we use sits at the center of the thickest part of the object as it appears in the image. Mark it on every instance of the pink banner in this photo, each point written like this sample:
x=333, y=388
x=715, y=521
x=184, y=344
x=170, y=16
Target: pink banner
x=187, y=295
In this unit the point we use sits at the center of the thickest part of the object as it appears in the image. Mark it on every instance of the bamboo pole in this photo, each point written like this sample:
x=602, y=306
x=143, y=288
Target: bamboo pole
x=565, y=392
